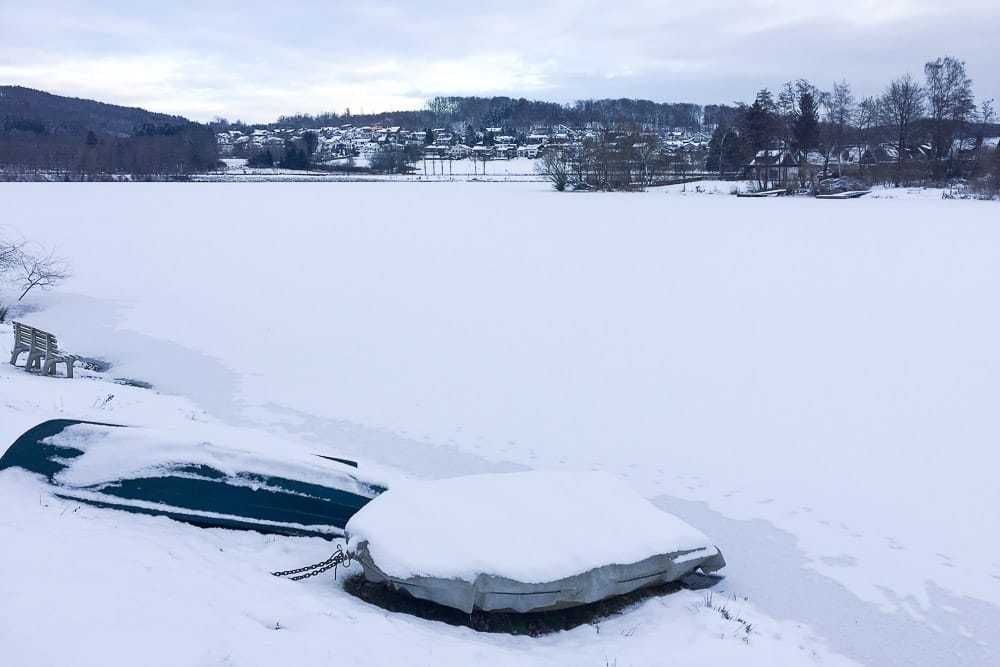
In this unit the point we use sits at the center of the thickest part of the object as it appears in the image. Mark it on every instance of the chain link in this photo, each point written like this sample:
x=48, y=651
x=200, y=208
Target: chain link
x=339, y=557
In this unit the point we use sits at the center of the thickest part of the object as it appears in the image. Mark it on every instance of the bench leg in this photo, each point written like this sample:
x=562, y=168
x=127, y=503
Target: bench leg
x=18, y=349
x=34, y=361
x=51, y=366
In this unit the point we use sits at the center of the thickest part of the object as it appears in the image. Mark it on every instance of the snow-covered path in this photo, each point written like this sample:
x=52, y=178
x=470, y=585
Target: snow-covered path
x=815, y=379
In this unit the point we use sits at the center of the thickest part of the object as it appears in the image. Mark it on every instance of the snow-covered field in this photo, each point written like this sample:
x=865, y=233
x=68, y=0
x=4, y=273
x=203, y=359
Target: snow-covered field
x=810, y=383
x=512, y=170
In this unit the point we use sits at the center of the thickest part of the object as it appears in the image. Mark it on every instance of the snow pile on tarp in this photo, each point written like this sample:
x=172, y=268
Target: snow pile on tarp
x=523, y=541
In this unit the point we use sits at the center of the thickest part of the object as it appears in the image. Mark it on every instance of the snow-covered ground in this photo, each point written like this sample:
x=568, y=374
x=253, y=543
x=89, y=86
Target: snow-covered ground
x=515, y=169
x=811, y=383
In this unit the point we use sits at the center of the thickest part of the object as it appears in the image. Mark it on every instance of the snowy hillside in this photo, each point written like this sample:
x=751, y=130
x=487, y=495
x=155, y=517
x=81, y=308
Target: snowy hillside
x=812, y=383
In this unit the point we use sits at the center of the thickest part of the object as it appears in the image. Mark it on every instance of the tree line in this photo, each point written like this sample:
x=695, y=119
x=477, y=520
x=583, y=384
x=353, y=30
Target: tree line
x=510, y=114
x=914, y=130
x=171, y=150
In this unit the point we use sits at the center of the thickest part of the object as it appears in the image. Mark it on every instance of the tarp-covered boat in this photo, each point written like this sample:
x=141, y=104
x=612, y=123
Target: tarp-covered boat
x=524, y=542
x=205, y=484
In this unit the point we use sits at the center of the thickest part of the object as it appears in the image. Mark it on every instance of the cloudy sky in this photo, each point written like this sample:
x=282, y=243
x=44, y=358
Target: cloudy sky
x=255, y=60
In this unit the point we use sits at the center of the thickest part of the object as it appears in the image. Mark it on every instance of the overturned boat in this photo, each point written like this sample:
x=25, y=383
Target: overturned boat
x=524, y=542
x=198, y=482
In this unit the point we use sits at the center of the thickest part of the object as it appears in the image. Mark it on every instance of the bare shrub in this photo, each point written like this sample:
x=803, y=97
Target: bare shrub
x=43, y=271
x=556, y=169
x=29, y=266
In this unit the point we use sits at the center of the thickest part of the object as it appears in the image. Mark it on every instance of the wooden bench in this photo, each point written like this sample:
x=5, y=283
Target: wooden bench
x=42, y=348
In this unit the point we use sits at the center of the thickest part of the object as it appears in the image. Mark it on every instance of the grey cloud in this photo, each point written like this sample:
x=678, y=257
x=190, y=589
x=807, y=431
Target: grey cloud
x=256, y=60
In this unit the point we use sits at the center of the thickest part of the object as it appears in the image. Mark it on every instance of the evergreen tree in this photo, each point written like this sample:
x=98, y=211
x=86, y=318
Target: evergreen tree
x=311, y=140
x=263, y=159
x=761, y=123
x=295, y=157
x=805, y=128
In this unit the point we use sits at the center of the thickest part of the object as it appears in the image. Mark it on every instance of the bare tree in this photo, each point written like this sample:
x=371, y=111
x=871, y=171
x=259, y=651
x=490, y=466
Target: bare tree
x=986, y=117
x=986, y=112
x=840, y=113
x=901, y=105
x=10, y=253
x=867, y=121
x=556, y=169
x=949, y=96
x=41, y=271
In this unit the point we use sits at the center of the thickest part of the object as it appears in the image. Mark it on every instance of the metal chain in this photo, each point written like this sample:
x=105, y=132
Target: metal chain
x=339, y=557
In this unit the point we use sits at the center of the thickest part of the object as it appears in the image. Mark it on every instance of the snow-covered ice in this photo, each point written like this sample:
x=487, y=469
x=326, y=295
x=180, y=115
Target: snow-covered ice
x=812, y=383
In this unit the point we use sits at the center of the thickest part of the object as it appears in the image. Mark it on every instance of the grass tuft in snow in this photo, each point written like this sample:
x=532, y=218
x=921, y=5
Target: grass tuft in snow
x=725, y=609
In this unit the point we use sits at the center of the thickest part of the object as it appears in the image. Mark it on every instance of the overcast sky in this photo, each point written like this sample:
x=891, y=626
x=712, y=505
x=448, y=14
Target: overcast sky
x=256, y=60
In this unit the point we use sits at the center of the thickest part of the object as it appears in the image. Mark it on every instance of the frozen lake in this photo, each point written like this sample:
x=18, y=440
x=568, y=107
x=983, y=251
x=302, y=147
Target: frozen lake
x=824, y=371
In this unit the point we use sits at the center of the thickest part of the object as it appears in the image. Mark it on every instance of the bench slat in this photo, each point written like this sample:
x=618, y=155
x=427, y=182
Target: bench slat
x=37, y=338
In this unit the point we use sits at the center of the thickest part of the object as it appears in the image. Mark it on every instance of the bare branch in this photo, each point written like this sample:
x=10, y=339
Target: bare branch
x=41, y=271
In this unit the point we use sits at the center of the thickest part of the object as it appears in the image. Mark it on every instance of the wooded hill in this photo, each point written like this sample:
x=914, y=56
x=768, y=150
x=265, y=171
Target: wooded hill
x=516, y=114
x=36, y=110
x=42, y=131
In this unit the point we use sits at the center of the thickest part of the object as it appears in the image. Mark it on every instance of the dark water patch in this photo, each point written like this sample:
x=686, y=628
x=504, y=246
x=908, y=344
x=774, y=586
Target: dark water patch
x=131, y=382
x=94, y=364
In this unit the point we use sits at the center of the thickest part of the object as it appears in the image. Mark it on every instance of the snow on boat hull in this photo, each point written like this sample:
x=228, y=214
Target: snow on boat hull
x=196, y=491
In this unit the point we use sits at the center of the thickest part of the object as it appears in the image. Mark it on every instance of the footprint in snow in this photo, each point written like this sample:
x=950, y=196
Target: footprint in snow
x=844, y=560
x=946, y=560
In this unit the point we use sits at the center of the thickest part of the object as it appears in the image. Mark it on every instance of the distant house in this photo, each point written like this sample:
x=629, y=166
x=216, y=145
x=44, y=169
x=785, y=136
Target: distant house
x=774, y=167
x=528, y=150
x=505, y=151
x=481, y=152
